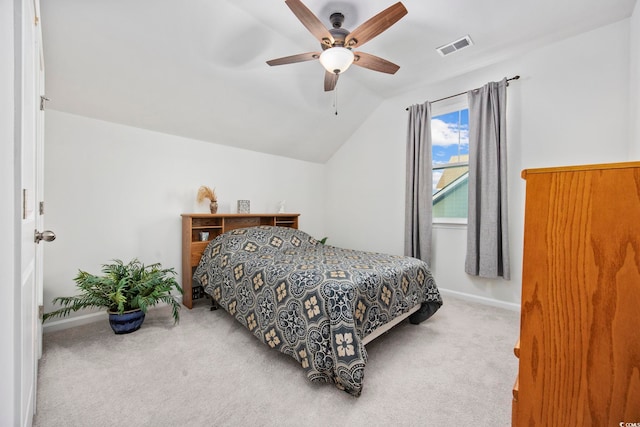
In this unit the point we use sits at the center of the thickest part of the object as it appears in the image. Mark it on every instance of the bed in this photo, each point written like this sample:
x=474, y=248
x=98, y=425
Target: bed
x=318, y=303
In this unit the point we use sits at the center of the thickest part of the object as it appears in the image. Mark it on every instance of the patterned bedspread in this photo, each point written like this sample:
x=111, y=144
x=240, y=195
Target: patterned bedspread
x=311, y=301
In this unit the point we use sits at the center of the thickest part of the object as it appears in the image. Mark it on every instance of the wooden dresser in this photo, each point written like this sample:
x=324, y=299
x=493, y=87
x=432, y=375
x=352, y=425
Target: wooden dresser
x=579, y=347
x=193, y=244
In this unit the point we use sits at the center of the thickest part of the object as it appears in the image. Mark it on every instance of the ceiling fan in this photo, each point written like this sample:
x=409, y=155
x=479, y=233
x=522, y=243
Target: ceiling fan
x=338, y=43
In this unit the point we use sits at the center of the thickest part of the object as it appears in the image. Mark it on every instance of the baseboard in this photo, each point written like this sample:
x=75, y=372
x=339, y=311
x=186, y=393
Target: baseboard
x=71, y=322
x=482, y=300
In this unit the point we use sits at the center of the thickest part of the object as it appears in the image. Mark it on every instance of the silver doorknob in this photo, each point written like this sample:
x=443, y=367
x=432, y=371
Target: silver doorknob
x=46, y=235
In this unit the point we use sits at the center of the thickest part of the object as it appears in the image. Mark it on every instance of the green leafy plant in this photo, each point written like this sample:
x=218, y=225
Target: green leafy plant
x=122, y=287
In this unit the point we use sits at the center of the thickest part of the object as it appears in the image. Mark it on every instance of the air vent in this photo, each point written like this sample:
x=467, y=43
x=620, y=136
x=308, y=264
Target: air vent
x=455, y=46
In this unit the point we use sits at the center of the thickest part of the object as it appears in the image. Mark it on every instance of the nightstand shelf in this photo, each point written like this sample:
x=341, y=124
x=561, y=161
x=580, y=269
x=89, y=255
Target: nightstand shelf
x=215, y=225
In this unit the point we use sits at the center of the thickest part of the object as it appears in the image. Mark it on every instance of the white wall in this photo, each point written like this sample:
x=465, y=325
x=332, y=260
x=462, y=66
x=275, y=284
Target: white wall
x=569, y=107
x=117, y=192
x=634, y=84
x=9, y=328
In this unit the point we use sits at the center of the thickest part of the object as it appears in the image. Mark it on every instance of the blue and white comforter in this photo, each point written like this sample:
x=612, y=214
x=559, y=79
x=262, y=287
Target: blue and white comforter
x=311, y=301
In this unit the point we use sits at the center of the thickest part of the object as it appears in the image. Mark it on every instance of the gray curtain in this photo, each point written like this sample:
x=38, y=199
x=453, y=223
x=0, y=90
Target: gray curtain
x=418, y=205
x=487, y=231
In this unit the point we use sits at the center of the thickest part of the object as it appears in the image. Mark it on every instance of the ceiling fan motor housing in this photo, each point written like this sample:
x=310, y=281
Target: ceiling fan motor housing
x=338, y=33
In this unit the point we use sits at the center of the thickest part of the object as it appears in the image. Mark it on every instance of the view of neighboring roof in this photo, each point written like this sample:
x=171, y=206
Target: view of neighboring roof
x=450, y=198
x=449, y=175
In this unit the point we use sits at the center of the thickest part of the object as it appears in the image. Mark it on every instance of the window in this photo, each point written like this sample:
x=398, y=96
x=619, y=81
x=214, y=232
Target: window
x=450, y=168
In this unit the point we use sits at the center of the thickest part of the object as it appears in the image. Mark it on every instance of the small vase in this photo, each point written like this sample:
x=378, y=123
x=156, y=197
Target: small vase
x=213, y=206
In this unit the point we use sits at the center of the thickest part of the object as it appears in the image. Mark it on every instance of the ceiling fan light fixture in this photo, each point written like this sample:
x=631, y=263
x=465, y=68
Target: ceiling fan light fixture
x=337, y=59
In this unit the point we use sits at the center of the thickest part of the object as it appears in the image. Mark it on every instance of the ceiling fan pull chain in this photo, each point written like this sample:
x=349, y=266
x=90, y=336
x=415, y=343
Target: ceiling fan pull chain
x=335, y=99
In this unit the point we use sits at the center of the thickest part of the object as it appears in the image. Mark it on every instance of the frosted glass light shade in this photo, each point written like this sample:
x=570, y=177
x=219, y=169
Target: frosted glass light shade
x=336, y=60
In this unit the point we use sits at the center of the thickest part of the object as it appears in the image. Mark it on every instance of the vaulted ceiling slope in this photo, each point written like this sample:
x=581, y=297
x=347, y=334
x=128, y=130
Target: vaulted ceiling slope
x=197, y=68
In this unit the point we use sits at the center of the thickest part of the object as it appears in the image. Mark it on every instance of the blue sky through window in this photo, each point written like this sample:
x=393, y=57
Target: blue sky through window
x=450, y=135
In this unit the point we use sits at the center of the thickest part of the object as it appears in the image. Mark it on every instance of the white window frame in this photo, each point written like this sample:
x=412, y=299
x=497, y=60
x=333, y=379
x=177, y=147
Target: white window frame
x=457, y=103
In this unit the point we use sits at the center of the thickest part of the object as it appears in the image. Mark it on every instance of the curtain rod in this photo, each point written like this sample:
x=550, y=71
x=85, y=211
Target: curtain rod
x=462, y=93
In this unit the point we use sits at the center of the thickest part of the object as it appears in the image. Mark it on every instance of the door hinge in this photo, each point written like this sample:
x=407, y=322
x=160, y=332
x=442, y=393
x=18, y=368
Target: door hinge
x=40, y=312
x=41, y=208
x=42, y=100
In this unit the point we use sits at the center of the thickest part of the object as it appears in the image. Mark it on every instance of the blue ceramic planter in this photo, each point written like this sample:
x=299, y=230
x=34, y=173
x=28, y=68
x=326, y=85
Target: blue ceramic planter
x=127, y=322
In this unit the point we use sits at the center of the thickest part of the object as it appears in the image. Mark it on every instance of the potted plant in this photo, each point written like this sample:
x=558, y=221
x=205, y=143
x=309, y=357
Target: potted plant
x=125, y=290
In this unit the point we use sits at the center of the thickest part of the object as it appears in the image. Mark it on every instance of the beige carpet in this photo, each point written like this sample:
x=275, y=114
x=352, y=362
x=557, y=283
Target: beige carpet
x=457, y=368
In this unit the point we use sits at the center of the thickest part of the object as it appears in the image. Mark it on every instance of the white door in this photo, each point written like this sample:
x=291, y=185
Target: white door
x=39, y=171
x=31, y=136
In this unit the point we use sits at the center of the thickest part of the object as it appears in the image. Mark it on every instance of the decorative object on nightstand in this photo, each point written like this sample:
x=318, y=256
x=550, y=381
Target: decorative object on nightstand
x=125, y=290
x=205, y=192
x=244, y=206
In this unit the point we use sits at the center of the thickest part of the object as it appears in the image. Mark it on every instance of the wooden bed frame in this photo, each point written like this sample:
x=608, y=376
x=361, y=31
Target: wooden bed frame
x=215, y=224
x=387, y=326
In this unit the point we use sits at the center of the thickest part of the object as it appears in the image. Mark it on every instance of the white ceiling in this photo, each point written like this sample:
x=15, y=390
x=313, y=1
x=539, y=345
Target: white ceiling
x=196, y=68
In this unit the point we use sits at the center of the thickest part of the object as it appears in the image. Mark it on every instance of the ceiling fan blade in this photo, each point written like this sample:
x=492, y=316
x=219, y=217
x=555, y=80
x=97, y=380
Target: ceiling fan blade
x=311, y=21
x=375, y=25
x=301, y=57
x=374, y=63
x=330, y=80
